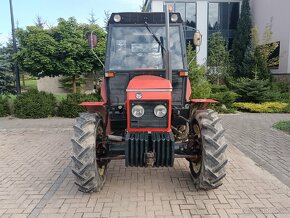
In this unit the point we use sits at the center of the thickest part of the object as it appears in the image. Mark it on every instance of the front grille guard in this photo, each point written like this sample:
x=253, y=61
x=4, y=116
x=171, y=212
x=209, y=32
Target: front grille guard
x=145, y=149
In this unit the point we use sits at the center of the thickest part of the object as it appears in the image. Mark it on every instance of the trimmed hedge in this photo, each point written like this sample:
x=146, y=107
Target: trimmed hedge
x=34, y=104
x=4, y=106
x=267, y=107
x=70, y=108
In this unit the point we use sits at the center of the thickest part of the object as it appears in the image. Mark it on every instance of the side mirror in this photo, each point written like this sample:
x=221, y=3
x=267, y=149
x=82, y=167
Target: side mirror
x=197, y=39
x=92, y=39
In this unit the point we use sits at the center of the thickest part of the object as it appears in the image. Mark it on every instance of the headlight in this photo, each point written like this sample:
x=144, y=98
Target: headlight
x=174, y=17
x=160, y=111
x=117, y=18
x=137, y=111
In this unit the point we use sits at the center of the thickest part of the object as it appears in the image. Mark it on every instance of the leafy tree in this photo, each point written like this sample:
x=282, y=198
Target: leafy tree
x=200, y=87
x=37, y=51
x=6, y=69
x=242, y=39
x=218, y=58
x=61, y=50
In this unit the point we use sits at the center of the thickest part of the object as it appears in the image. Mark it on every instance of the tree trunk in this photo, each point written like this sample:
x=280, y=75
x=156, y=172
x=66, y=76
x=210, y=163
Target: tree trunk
x=23, y=80
x=74, y=84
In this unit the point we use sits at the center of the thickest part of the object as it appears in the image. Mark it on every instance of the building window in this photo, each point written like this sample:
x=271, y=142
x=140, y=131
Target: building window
x=223, y=17
x=187, y=11
x=191, y=14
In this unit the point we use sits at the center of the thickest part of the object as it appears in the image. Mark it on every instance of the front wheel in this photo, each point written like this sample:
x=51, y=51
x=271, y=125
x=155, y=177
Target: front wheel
x=208, y=169
x=87, y=143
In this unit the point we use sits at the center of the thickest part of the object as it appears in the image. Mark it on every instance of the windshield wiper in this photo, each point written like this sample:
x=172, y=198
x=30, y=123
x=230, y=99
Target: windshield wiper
x=155, y=37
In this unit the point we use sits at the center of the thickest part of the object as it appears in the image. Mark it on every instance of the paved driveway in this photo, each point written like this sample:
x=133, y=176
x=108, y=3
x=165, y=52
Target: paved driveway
x=269, y=148
x=35, y=180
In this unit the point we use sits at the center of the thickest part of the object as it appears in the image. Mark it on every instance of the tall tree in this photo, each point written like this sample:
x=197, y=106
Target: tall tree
x=242, y=39
x=39, y=22
x=6, y=70
x=92, y=19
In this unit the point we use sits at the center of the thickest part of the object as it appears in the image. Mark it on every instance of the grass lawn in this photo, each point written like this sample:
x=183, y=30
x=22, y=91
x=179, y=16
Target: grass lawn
x=283, y=125
x=30, y=84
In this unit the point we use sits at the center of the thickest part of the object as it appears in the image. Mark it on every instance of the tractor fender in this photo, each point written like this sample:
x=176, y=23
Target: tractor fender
x=202, y=104
x=100, y=108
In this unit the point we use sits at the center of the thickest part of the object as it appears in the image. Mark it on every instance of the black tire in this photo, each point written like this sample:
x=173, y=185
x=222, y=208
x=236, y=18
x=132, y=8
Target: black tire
x=88, y=133
x=213, y=146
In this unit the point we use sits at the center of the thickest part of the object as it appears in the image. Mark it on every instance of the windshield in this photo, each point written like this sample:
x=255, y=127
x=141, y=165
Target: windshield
x=134, y=48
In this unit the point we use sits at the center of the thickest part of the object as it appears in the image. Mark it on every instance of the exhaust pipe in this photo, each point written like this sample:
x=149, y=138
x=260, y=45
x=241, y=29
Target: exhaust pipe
x=168, y=54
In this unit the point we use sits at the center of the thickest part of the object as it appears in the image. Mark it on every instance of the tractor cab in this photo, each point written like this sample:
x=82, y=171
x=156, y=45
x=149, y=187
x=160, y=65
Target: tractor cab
x=137, y=45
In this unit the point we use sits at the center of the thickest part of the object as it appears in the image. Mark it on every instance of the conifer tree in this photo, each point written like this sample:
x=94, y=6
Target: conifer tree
x=6, y=73
x=242, y=39
x=218, y=58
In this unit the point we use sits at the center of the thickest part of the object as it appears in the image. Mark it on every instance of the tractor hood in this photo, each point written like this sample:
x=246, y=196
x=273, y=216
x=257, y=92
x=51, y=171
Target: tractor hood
x=149, y=91
x=149, y=83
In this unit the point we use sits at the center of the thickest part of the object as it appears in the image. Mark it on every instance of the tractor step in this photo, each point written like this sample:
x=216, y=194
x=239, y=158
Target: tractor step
x=149, y=149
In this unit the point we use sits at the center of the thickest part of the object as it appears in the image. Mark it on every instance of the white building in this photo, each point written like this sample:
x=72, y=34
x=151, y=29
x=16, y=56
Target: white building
x=277, y=14
x=210, y=16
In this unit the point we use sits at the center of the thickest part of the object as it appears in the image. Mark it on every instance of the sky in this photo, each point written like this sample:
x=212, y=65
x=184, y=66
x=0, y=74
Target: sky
x=26, y=11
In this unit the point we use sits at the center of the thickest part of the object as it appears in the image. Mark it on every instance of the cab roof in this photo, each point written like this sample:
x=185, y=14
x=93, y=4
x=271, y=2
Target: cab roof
x=142, y=17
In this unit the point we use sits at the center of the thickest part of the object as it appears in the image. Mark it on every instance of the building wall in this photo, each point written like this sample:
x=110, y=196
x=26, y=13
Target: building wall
x=202, y=26
x=277, y=13
x=157, y=6
x=50, y=84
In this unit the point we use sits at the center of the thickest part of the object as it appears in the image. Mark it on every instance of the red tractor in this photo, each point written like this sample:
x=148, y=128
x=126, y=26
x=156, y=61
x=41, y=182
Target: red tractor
x=146, y=116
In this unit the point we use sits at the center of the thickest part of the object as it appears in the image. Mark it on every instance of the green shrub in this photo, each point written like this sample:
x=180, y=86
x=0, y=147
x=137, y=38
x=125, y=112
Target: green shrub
x=219, y=88
x=227, y=98
x=69, y=107
x=251, y=90
x=34, y=104
x=278, y=96
x=266, y=107
x=200, y=87
x=4, y=106
x=280, y=87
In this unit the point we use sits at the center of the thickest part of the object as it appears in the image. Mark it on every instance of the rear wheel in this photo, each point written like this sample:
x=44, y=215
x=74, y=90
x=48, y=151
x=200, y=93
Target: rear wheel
x=208, y=169
x=87, y=144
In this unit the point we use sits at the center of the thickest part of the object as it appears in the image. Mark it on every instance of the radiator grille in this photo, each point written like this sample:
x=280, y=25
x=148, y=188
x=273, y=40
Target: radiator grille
x=148, y=120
